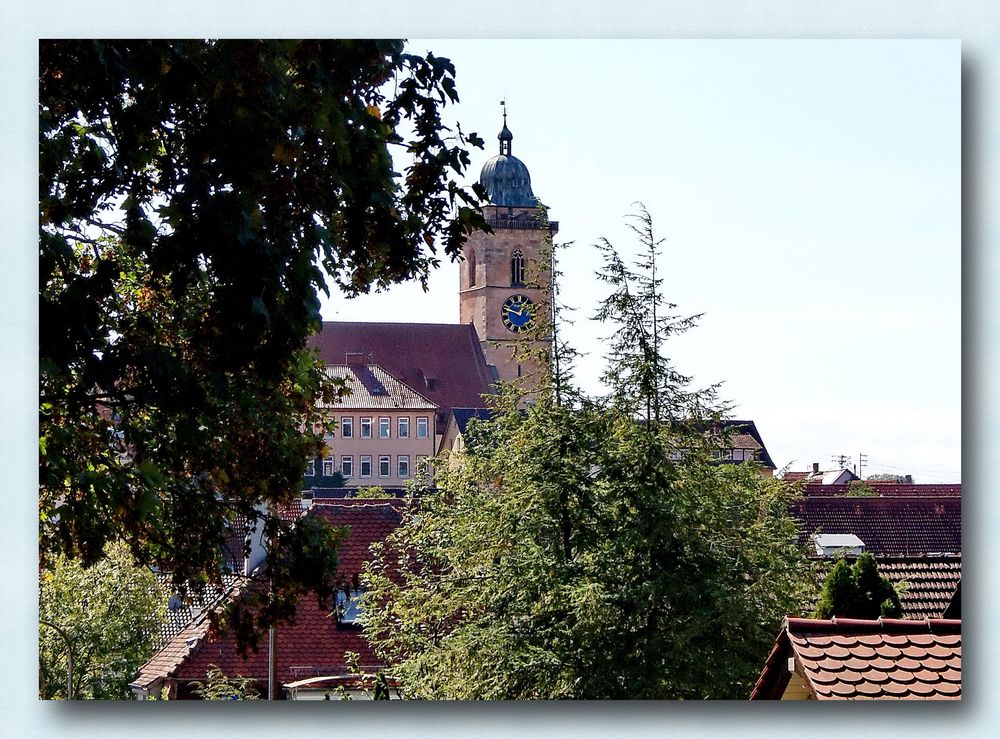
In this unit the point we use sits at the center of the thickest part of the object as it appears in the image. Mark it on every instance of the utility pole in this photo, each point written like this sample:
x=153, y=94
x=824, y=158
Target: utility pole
x=862, y=462
x=840, y=460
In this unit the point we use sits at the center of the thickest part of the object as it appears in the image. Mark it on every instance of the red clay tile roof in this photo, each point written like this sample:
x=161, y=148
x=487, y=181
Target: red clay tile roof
x=315, y=644
x=843, y=659
x=889, y=526
x=184, y=638
x=181, y=614
x=370, y=521
x=312, y=646
x=931, y=582
x=442, y=362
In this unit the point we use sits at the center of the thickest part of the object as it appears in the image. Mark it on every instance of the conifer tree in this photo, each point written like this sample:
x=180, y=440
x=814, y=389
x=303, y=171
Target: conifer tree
x=858, y=591
x=572, y=551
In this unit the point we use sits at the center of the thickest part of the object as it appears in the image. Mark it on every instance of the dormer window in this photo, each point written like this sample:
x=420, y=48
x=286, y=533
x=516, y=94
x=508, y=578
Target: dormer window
x=517, y=269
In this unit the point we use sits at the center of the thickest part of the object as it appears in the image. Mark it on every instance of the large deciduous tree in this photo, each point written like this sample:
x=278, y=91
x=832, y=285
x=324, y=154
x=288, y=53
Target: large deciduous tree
x=192, y=196
x=592, y=548
x=109, y=615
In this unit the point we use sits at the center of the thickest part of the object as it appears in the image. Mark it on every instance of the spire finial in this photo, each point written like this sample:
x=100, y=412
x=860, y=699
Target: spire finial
x=505, y=135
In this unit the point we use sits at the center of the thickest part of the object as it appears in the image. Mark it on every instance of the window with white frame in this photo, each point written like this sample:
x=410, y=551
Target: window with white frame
x=727, y=453
x=347, y=427
x=422, y=427
x=403, y=427
x=366, y=427
x=311, y=468
x=366, y=465
x=328, y=467
x=383, y=427
x=384, y=466
x=403, y=465
x=347, y=466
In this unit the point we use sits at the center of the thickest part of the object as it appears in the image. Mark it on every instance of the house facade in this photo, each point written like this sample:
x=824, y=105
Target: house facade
x=384, y=432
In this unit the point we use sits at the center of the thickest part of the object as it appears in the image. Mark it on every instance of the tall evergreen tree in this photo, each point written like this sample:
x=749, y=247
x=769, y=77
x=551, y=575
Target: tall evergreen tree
x=590, y=548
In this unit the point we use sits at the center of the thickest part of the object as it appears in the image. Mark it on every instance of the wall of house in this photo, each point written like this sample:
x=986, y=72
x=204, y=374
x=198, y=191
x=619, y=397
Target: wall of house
x=356, y=448
x=797, y=688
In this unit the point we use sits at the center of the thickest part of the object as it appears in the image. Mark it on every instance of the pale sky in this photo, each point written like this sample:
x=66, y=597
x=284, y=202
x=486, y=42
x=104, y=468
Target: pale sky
x=810, y=196
x=682, y=132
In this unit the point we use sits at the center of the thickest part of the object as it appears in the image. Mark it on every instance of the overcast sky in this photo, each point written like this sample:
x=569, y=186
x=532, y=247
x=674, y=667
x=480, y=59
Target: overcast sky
x=809, y=194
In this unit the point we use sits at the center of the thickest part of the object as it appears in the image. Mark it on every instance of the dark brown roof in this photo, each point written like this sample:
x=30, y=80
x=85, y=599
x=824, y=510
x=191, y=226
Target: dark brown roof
x=855, y=659
x=884, y=489
x=442, y=362
x=888, y=526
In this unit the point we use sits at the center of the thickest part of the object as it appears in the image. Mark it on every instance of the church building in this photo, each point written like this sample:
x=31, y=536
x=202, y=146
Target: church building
x=504, y=288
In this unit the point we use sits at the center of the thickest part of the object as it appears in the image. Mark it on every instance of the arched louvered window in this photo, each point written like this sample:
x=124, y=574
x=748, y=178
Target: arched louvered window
x=471, y=266
x=517, y=269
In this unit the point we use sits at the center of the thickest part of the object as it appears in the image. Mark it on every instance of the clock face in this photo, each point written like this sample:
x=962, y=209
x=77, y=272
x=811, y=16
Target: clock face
x=517, y=313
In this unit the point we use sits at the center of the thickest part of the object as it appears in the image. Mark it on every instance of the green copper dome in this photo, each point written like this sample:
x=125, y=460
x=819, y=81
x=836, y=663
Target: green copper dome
x=505, y=177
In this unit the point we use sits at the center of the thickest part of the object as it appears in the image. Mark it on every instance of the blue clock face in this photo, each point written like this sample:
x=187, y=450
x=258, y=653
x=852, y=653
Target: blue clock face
x=517, y=313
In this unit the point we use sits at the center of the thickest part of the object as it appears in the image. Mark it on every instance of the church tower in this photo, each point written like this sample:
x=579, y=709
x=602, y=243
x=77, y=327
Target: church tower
x=505, y=278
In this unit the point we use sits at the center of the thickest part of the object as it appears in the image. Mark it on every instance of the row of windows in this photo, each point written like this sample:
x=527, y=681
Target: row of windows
x=384, y=427
x=365, y=466
x=733, y=454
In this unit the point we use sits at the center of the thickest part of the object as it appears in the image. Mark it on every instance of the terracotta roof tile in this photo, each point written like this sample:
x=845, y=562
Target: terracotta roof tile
x=883, y=659
x=369, y=521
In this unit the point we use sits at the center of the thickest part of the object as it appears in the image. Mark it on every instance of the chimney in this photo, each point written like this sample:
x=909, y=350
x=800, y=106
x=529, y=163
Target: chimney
x=815, y=468
x=355, y=358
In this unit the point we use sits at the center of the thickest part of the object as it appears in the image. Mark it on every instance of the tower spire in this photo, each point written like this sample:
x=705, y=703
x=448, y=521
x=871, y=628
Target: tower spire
x=505, y=135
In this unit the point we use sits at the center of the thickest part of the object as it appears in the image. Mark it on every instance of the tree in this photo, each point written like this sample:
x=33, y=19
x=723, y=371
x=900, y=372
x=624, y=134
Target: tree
x=192, y=194
x=858, y=591
x=217, y=686
x=888, y=477
x=111, y=613
x=590, y=548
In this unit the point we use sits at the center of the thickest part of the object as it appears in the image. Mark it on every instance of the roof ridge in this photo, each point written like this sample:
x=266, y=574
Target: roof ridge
x=400, y=323
x=888, y=625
